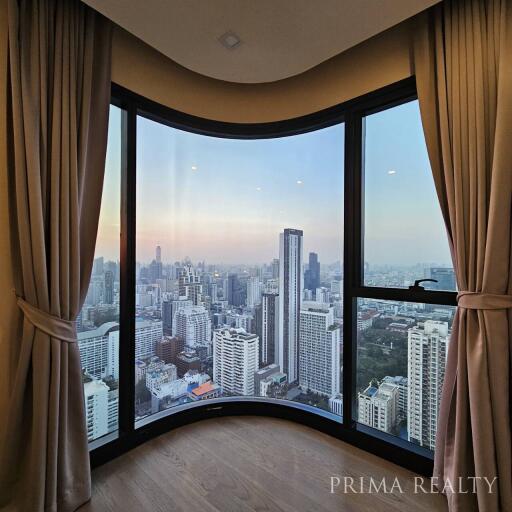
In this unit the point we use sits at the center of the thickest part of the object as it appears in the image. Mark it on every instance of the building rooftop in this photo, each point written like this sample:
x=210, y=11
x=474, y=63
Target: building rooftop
x=370, y=391
x=102, y=330
x=266, y=369
x=205, y=388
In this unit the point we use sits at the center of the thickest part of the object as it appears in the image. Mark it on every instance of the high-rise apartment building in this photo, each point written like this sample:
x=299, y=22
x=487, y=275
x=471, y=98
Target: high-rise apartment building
x=323, y=295
x=378, y=406
x=169, y=347
x=263, y=374
x=269, y=327
x=427, y=347
x=98, y=266
x=99, y=350
x=189, y=285
x=290, y=294
x=174, y=306
x=319, y=350
x=275, y=268
x=234, y=294
x=235, y=360
x=155, y=271
x=147, y=334
x=445, y=277
x=96, y=289
x=167, y=316
x=109, y=287
x=403, y=393
x=312, y=274
x=193, y=325
x=101, y=406
x=254, y=291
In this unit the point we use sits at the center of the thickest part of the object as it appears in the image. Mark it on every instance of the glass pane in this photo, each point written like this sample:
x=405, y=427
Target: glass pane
x=401, y=357
x=238, y=278
x=404, y=234
x=98, y=321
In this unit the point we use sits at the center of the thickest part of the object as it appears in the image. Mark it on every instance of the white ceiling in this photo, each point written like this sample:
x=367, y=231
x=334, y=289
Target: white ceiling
x=280, y=38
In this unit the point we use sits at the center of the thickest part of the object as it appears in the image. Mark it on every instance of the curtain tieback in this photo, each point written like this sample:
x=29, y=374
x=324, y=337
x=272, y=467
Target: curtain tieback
x=477, y=300
x=64, y=330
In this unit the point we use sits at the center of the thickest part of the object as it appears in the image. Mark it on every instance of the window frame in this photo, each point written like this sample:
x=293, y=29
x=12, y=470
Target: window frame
x=352, y=114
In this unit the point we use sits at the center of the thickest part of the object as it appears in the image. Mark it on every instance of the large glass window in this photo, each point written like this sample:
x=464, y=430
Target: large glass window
x=236, y=281
x=239, y=280
x=405, y=238
x=401, y=357
x=401, y=344
x=98, y=321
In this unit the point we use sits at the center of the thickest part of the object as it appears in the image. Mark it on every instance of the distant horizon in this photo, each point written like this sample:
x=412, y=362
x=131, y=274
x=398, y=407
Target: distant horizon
x=195, y=263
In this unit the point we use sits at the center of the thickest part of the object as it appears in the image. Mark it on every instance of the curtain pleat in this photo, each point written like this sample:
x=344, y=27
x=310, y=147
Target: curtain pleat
x=463, y=67
x=59, y=57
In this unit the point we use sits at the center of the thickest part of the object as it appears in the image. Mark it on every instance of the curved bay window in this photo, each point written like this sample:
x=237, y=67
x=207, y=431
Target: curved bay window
x=238, y=268
x=269, y=269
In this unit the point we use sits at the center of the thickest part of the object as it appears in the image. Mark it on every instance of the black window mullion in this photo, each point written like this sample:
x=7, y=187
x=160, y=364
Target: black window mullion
x=445, y=298
x=352, y=258
x=127, y=292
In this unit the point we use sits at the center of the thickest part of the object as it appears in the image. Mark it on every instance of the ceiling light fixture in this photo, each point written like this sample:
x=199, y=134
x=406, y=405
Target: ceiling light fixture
x=391, y=172
x=230, y=40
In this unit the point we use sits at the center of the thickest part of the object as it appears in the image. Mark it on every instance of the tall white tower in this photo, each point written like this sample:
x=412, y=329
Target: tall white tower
x=426, y=361
x=290, y=294
x=254, y=291
x=235, y=360
x=320, y=349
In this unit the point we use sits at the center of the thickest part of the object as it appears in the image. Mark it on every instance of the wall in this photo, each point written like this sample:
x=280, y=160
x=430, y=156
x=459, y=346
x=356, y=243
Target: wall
x=381, y=60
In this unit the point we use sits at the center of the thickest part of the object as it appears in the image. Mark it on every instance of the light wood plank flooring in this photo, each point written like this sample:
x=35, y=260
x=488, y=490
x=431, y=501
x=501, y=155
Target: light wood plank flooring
x=242, y=464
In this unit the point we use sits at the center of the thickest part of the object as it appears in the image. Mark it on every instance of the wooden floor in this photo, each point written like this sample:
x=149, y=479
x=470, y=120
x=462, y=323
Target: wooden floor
x=241, y=464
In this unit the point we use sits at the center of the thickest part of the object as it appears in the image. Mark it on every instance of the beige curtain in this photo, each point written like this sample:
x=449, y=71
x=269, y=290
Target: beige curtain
x=463, y=66
x=59, y=58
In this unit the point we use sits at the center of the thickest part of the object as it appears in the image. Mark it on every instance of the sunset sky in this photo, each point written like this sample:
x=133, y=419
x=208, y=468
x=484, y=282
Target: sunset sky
x=226, y=201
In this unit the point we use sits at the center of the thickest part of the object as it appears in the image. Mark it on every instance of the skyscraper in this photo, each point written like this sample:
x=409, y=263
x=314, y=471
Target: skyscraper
x=158, y=254
x=194, y=326
x=445, y=277
x=319, y=350
x=275, y=268
x=290, y=294
x=147, y=334
x=234, y=295
x=109, y=287
x=235, y=360
x=378, y=407
x=177, y=304
x=97, y=266
x=190, y=286
x=155, y=271
x=167, y=316
x=169, y=347
x=312, y=274
x=269, y=327
x=99, y=350
x=427, y=346
x=96, y=408
x=254, y=289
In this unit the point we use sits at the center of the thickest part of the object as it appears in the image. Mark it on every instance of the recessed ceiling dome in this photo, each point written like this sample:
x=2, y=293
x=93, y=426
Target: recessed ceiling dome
x=254, y=41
